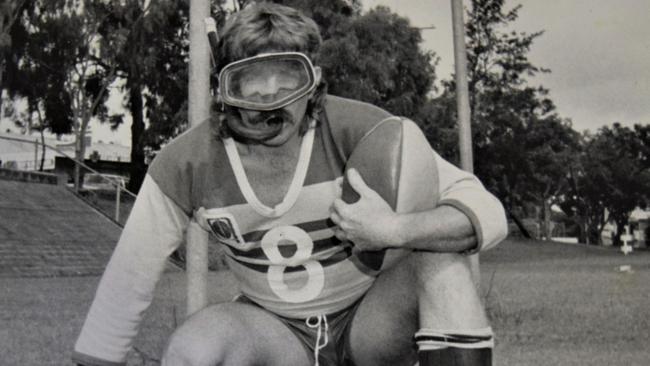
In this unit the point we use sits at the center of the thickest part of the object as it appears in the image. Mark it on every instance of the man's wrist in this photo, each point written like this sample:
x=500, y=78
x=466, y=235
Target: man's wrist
x=400, y=230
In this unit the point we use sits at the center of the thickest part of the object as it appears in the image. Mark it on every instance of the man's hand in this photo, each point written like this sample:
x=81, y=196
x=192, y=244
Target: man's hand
x=370, y=223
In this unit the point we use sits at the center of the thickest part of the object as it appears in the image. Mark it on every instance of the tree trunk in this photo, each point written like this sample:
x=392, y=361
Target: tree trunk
x=592, y=231
x=80, y=152
x=77, y=131
x=138, y=167
x=547, y=220
x=42, y=148
x=520, y=225
x=582, y=235
x=620, y=229
x=78, y=155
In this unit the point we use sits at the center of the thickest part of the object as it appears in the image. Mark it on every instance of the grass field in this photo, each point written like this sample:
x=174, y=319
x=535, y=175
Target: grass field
x=550, y=304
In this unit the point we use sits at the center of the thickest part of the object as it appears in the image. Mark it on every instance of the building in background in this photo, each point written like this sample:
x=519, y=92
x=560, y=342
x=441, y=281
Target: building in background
x=107, y=158
x=25, y=152
x=639, y=228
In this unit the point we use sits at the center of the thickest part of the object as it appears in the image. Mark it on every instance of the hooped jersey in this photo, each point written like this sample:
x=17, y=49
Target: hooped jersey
x=286, y=257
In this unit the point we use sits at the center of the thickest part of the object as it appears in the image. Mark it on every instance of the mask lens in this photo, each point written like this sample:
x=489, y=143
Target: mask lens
x=266, y=82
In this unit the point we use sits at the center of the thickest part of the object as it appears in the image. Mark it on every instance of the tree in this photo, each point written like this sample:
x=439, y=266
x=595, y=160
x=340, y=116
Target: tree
x=643, y=134
x=629, y=184
x=497, y=59
x=12, y=47
x=377, y=58
x=552, y=148
x=60, y=74
x=31, y=77
x=12, y=40
x=374, y=57
x=522, y=148
x=331, y=16
x=613, y=178
x=152, y=62
x=502, y=103
x=438, y=120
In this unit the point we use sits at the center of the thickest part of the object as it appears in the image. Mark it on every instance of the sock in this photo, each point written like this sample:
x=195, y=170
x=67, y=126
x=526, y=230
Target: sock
x=465, y=347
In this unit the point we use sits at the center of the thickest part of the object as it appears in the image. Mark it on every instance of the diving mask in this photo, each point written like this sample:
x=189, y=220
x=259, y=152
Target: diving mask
x=267, y=81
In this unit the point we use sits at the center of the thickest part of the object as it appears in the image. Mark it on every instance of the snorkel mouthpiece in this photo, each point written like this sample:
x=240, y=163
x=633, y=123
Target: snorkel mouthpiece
x=263, y=127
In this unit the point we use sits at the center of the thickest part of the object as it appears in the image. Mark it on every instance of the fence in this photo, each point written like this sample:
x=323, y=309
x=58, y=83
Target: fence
x=108, y=194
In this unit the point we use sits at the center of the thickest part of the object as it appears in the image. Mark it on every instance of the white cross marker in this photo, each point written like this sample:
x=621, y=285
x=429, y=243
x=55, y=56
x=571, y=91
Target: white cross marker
x=626, y=248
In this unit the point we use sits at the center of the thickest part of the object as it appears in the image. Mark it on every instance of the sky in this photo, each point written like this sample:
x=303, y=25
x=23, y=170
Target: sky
x=598, y=52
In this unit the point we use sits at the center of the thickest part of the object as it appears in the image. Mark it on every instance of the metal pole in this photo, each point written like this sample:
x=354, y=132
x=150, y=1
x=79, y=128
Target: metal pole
x=197, y=268
x=117, y=201
x=462, y=104
x=35, y=154
x=198, y=111
x=462, y=92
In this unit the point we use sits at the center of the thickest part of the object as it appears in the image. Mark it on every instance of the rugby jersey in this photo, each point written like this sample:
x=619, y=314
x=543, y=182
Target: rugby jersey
x=286, y=258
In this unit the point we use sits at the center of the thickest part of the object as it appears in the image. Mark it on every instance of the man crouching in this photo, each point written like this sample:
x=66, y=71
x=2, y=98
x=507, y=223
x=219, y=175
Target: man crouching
x=348, y=234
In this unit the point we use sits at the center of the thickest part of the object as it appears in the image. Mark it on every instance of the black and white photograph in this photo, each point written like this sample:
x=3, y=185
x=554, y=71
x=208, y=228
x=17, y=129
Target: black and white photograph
x=328, y=183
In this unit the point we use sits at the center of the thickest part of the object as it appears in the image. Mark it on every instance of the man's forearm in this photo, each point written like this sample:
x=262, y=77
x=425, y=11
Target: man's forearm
x=442, y=229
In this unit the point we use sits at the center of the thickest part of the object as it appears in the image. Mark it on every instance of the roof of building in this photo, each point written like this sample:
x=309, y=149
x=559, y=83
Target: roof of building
x=639, y=214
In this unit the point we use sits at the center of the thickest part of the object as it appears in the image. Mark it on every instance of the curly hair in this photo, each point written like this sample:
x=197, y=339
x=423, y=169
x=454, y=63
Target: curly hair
x=267, y=27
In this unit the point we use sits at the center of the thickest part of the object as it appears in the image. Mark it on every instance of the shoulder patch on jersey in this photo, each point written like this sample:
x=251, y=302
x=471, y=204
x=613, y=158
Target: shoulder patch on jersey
x=225, y=229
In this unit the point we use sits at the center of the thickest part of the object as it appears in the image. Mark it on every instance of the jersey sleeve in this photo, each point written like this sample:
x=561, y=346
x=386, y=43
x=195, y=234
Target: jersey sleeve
x=153, y=231
x=172, y=172
x=455, y=187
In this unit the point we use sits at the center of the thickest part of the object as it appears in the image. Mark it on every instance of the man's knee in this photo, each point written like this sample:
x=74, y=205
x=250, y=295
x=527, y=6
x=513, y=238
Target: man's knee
x=447, y=296
x=208, y=338
x=437, y=271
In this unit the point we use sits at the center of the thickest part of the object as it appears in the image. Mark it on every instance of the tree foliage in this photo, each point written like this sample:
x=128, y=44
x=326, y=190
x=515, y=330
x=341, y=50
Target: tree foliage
x=522, y=148
x=373, y=57
x=331, y=16
x=12, y=38
x=613, y=178
x=377, y=58
x=63, y=57
x=505, y=110
x=60, y=73
x=152, y=62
